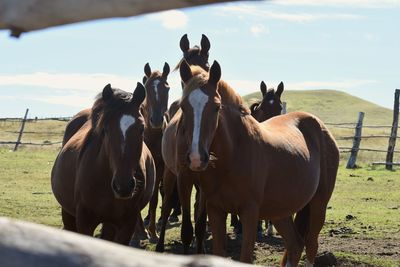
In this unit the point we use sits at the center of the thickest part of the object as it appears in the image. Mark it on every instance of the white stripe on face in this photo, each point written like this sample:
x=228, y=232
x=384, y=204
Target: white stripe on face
x=197, y=100
x=126, y=122
x=155, y=87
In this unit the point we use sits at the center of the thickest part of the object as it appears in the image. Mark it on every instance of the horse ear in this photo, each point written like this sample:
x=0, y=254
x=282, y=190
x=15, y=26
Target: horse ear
x=215, y=73
x=144, y=80
x=185, y=71
x=147, y=69
x=279, y=91
x=107, y=93
x=165, y=70
x=184, y=43
x=139, y=94
x=263, y=88
x=205, y=44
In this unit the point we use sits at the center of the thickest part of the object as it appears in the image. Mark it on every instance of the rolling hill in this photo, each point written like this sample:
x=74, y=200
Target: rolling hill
x=332, y=106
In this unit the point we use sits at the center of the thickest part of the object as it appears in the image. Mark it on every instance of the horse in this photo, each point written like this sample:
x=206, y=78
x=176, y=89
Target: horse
x=269, y=106
x=153, y=109
x=285, y=165
x=194, y=56
x=105, y=173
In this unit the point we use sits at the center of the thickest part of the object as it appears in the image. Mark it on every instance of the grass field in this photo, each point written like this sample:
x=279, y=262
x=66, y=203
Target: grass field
x=363, y=220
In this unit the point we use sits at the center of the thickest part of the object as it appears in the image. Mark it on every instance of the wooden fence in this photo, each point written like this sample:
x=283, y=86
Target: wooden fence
x=353, y=150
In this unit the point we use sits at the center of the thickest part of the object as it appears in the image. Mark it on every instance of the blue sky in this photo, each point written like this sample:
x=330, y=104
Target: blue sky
x=352, y=46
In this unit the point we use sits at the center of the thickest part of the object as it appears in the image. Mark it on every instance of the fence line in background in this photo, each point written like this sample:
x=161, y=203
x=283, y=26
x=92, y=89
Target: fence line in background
x=21, y=130
x=356, y=142
x=393, y=133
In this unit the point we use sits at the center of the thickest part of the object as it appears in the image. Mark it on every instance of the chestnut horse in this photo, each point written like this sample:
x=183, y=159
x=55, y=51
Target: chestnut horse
x=105, y=173
x=285, y=165
x=269, y=106
x=194, y=56
x=153, y=110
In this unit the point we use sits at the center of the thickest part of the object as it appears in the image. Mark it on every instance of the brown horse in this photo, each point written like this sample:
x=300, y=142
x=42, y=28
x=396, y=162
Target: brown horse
x=105, y=173
x=269, y=106
x=153, y=110
x=285, y=165
x=194, y=56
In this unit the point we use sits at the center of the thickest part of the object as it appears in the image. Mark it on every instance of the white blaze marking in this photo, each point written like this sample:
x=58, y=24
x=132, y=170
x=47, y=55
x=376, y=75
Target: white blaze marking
x=308, y=264
x=197, y=100
x=155, y=87
x=126, y=122
x=271, y=101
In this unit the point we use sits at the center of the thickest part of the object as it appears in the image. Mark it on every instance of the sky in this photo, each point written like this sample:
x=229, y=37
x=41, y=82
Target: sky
x=347, y=45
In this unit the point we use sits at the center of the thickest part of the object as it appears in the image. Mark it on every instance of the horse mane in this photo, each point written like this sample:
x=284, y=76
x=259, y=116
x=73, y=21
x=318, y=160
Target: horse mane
x=229, y=97
x=101, y=113
x=154, y=74
x=192, y=51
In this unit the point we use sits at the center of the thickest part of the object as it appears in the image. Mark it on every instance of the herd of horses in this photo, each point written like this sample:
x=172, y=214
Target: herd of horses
x=251, y=162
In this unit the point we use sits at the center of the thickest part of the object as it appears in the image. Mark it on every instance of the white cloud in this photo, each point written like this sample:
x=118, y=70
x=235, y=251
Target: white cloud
x=172, y=19
x=342, y=3
x=257, y=12
x=258, y=30
x=75, y=81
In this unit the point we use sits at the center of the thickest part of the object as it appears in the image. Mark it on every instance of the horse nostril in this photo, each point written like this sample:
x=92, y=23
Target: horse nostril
x=206, y=157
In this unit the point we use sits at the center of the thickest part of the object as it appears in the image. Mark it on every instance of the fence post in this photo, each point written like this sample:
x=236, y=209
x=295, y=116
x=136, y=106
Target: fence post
x=283, y=108
x=393, y=133
x=21, y=130
x=356, y=142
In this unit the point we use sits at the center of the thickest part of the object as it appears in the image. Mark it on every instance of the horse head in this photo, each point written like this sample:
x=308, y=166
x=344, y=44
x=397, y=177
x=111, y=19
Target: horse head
x=197, y=55
x=116, y=118
x=270, y=104
x=200, y=105
x=157, y=90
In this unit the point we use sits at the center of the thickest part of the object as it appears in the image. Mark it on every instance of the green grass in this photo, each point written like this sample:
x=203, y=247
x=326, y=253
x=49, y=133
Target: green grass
x=370, y=195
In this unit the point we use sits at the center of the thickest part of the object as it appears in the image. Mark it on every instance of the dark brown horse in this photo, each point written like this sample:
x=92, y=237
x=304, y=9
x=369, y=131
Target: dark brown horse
x=285, y=165
x=105, y=173
x=154, y=109
x=270, y=105
x=194, y=56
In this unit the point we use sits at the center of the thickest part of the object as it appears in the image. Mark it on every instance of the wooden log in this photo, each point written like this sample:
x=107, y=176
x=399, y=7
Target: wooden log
x=356, y=142
x=28, y=15
x=21, y=130
x=393, y=133
x=33, y=245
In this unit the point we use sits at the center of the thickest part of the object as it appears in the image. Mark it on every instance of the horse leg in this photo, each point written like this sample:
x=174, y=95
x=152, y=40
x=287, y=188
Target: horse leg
x=200, y=226
x=217, y=220
x=169, y=187
x=294, y=244
x=107, y=232
x=69, y=221
x=140, y=230
x=249, y=219
x=153, y=210
x=86, y=222
x=126, y=229
x=316, y=219
x=270, y=229
x=176, y=206
x=185, y=185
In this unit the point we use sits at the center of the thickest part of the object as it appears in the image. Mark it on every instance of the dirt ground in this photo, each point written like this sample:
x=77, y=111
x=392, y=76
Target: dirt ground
x=269, y=249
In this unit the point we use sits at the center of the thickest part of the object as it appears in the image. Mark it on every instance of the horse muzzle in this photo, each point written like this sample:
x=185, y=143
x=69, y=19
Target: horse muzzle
x=198, y=162
x=123, y=190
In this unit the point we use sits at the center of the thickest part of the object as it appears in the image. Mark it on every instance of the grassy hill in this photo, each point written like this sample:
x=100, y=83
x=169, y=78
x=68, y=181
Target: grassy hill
x=332, y=106
x=339, y=107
